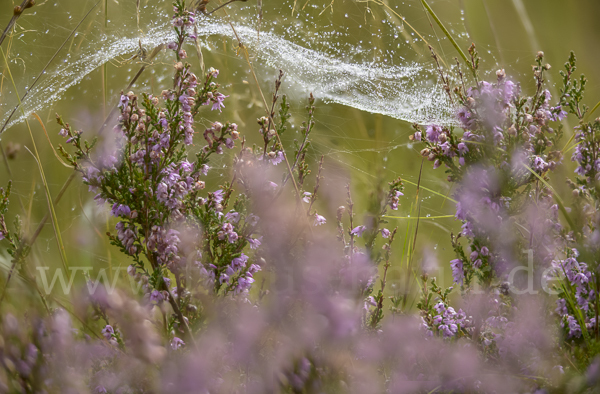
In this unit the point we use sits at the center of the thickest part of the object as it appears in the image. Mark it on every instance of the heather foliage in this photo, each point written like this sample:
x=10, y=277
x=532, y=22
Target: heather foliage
x=501, y=161
x=245, y=287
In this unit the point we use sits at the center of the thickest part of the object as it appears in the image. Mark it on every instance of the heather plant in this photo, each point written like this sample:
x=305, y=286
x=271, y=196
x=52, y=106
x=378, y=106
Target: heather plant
x=247, y=286
x=500, y=161
x=576, y=260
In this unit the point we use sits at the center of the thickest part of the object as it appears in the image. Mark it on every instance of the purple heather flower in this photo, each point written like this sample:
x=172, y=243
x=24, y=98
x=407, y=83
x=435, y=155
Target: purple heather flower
x=204, y=169
x=385, y=233
x=467, y=229
x=510, y=91
x=358, y=230
x=131, y=269
x=232, y=237
x=63, y=133
x=560, y=114
x=254, y=242
x=319, y=220
x=162, y=192
x=254, y=268
x=218, y=99
x=232, y=217
x=306, y=197
x=394, y=200
x=123, y=102
x=539, y=164
x=239, y=262
x=464, y=116
x=440, y=307
x=108, y=332
x=278, y=158
x=176, y=343
x=433, y=132
x=218, y=196
x=120, y=210
x=446, y=148
x=156, y=297
x=224, y=278
x=457, y=270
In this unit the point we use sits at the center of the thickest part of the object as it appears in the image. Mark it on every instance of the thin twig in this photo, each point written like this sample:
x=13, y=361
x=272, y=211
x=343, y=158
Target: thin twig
x=17, y=12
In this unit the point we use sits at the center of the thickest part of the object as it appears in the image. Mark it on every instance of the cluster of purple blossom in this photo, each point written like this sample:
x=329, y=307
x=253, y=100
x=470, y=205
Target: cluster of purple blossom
x=448, y=321
x=577, y=277
x=497, y=162
x=585, y=155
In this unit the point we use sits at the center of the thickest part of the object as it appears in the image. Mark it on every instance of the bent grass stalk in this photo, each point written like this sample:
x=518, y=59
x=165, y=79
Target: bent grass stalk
x=49, y=142
x=35, y=154
x=447, y=33
x=24, y=5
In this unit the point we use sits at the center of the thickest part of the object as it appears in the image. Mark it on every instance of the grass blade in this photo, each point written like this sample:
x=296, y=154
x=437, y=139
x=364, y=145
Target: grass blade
x=447, y=33
x=36, y=156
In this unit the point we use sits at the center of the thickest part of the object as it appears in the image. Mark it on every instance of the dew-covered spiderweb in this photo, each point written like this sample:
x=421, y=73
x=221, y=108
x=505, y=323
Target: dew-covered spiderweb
x=364, y=55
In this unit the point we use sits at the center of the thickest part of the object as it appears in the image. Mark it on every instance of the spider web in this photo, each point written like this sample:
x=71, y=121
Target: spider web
x=355, y=59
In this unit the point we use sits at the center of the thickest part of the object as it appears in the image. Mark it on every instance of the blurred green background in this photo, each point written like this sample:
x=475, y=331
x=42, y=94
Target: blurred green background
x=362, y=148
